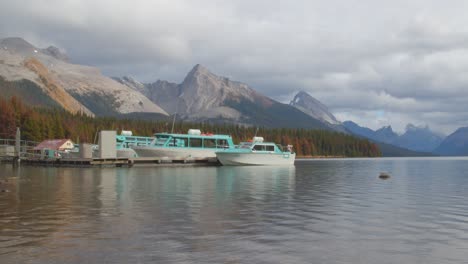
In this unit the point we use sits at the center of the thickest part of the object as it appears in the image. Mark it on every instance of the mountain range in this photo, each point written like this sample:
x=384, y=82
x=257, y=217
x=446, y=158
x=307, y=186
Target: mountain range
x=47, y=77
x=204, y=96
x=420, y=139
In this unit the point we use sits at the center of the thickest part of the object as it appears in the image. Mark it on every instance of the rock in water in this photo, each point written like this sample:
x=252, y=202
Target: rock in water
x=384, y=176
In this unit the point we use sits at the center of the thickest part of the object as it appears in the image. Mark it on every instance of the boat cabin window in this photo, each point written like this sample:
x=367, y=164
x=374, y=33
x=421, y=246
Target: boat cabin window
x=270, y=148
x=259, y=147
x=222, y=143
x=195, y=142
x=209, y=143
x=177, y=142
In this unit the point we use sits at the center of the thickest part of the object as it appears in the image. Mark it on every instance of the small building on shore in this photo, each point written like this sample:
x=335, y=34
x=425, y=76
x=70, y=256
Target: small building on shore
x=55, y=144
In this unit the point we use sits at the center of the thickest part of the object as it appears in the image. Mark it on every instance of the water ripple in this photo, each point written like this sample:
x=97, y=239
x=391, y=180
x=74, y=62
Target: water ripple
x=320, y=211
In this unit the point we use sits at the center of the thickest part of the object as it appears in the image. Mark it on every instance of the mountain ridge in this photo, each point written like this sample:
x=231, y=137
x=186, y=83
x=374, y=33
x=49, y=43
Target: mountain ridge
x=205, y=96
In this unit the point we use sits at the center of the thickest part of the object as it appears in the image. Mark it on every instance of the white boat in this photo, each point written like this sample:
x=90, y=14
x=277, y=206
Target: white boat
x=194, y=144
x=256, y=152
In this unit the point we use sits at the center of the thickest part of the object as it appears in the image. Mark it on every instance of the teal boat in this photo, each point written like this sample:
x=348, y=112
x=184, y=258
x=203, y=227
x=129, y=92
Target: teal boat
x=194, y=144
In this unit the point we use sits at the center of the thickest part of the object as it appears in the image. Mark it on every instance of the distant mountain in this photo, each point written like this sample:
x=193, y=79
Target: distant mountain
x=359, y=130
x=47, y=73
x=420, y=139
x=386, y=135
x=456, y=144
x=317, y=110
x=164, y=93
x=417, y=139
x=204, y=96
x=313, y=107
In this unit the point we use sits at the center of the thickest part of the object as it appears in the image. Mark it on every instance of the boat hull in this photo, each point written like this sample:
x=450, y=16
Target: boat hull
x=238, y=159
x=126, y=153
x=175, y=153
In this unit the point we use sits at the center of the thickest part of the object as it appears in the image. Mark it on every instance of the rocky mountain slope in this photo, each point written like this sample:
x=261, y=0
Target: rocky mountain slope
x=456, y=144
x=18, y=62
x=73, y=87
x=205, y=96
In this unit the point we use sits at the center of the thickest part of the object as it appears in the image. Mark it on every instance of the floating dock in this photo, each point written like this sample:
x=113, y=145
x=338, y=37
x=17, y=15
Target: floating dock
x=120, y=162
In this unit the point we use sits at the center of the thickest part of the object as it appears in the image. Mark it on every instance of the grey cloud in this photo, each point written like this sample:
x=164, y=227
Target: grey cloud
x=406, y=59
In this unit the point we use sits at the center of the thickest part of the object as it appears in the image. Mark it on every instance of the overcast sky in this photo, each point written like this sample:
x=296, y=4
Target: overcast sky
x=373, y=62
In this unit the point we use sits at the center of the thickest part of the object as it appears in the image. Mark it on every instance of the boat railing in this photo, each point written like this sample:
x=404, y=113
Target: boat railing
x=287, y=148
x=130, y=141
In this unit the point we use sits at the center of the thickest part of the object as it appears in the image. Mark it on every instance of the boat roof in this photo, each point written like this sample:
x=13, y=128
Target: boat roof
x=208, y=135
x=247, y=147
x=257, y=143
x=132, y=138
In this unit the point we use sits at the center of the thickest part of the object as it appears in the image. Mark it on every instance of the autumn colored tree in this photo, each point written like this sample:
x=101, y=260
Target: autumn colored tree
x=7, y=120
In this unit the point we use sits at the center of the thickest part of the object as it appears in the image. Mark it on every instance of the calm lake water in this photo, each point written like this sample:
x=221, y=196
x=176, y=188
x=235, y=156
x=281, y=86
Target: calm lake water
x=319, y=211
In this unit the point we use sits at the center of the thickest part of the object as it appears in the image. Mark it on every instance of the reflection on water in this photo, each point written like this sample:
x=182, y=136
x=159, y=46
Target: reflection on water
x=321, y=211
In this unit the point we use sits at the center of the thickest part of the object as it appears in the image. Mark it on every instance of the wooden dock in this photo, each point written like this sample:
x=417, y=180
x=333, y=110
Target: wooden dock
x=120, y=162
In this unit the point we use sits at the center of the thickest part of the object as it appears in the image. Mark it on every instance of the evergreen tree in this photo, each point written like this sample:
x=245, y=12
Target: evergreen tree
x=38, y=124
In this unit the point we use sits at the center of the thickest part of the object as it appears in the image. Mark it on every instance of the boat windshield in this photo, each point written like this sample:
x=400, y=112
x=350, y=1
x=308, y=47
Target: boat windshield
x=264, y=147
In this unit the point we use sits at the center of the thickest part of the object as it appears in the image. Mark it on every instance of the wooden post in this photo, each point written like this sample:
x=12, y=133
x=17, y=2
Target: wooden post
x=18, y=143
